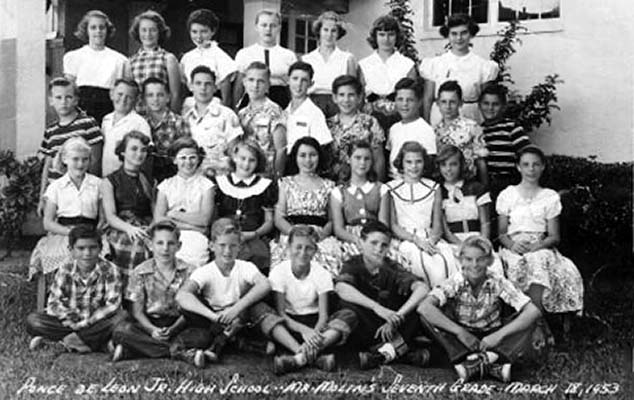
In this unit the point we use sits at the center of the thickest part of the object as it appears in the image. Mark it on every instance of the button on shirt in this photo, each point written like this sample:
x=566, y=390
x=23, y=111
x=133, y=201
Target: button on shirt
x=113, y=132
x=74, y=202
x=213, y=57
x=482, y=311
x=280, y=59
x=381, y=76
x=150, y=288
x=327, y=70
x=306, y=120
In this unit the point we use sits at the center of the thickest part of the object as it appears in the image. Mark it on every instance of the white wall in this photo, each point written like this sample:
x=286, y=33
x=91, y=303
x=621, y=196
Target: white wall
x=23, y=83
x=251, y=8
x=593, y=53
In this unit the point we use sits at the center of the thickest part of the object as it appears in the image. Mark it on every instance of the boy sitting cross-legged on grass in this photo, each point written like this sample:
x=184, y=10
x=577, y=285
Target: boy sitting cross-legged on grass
x=475, y=339
x=84, y=301
x=301, y=288
x=220, y=298
x=152, y=291
x=384, y=297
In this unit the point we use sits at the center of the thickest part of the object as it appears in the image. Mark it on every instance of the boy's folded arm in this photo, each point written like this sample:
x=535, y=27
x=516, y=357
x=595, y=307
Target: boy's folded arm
x=430, y=310
x=527, y=316
x=349, y=293
x=419, y=291
x=187, y=299
x=258, y=291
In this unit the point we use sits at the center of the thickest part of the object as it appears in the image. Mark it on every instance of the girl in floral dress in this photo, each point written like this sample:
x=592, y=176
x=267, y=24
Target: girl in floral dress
x=304, y=199
x=529, y=231
x=360, y=199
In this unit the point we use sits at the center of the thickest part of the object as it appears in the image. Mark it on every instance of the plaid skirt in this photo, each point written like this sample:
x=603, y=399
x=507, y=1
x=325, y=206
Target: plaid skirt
x=125, y=253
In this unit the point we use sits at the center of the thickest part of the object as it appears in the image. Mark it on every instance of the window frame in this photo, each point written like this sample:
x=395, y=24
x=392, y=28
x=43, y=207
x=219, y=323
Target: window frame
x=291, y=21
x=493, y=25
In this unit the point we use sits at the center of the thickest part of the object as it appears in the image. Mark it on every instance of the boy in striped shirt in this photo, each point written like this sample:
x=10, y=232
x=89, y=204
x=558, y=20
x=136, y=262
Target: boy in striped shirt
x=71, y=121
x=504, y=137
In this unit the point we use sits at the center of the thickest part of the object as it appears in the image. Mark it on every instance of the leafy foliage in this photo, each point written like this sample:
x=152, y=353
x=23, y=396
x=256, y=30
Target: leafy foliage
x=531, y=110
x=19, y=193
x=402, y=11
x=597, y=213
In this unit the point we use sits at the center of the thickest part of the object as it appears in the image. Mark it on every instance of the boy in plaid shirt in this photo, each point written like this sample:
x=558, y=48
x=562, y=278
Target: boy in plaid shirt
x=471, y=329
x=84, y=300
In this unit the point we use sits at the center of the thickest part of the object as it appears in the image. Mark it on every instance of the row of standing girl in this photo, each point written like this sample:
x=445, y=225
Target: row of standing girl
x=95, y=67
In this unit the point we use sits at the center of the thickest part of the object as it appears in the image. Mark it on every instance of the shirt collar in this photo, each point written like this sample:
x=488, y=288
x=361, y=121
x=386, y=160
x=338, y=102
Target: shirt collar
x=150, y=266
x=365, y=188
x=92, y=276
x=213, y=109
x=235, y=179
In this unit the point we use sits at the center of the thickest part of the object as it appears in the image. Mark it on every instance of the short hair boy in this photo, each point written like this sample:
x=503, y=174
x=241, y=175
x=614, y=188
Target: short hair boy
x=212, y=124
x=166, y=126
x=461, y=132
x=470, y=327
x=122, y=120
x=503, y=137
x=384, y=297
x=411, y=127
x=203, y=25
x=349, y=125
x=82, y=315
x=157, y=319
x=221, y=297
x=264, y=120
x=71, y=121
x=304, y=117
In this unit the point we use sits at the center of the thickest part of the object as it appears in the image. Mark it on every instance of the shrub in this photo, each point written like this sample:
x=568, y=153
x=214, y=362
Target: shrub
x=402, y=11
x=19, y=194
x=597, y=216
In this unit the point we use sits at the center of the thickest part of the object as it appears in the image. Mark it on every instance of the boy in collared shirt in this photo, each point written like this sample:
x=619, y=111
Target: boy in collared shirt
x=470, y=329
x=304, y=118
x=122, y=120
x=152, y=292
x=212, y=124
x=384, y=297
x=264, y=120
x=165, y=124
x=220, y=298
x=71, y=121
x=84, y=301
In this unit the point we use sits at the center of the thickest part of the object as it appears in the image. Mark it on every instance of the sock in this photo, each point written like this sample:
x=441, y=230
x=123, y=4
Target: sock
x=388, y=351
x=492, y=357
x=300, y=359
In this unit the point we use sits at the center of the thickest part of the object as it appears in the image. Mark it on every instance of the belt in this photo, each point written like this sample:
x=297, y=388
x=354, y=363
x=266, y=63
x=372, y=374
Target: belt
x=464, y=226
x=69, y=221
x=307, y=220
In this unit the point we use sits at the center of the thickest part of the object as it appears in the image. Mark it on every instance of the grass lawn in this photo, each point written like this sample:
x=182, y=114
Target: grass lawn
x=593, y=358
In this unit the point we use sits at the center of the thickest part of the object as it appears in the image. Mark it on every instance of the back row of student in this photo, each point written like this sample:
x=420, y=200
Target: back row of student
x=192, y=314
x=95, y=67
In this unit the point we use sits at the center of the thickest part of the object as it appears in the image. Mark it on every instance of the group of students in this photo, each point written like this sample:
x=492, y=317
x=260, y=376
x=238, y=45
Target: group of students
x=299, y=197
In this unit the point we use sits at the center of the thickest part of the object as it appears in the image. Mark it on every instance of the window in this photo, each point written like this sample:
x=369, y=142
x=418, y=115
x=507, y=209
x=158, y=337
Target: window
x=539, y=15
x=509, y=10
x=297, y=35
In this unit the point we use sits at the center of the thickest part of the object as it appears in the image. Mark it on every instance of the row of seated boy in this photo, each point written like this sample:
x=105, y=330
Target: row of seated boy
x=174, y=310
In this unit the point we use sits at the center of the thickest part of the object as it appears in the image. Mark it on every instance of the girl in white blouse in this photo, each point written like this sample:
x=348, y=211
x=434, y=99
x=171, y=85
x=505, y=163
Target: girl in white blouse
x=383, y=68
x=458, y=64
x=94, y=67
x=529, y=231
x=187, y=200
x=328, y=61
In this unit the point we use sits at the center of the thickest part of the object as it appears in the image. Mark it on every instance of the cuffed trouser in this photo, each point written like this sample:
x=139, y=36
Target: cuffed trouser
x=95, y=336
x=342, y=321
x=201, y=332
x=510, y=348
x=131, y=334
x=368, y=322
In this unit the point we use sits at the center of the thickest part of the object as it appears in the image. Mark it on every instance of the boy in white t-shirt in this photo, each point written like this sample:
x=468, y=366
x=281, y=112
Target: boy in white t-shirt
x=301, y=289
x=412, y=127
x=221, y=297
x=304, y=117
